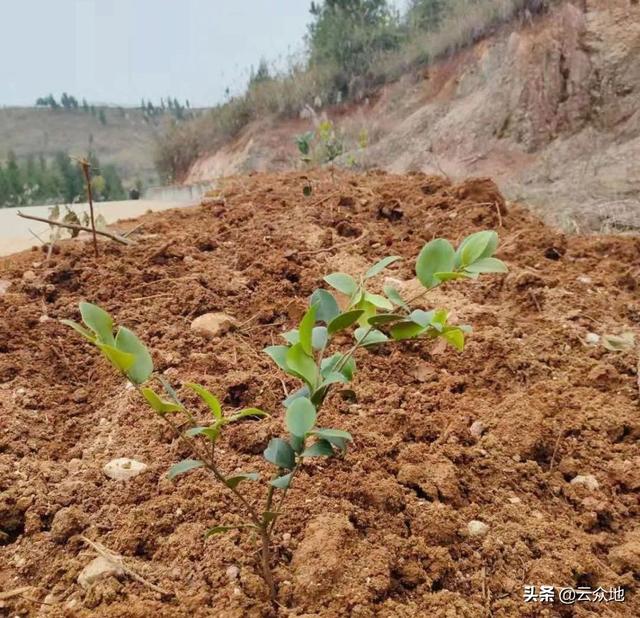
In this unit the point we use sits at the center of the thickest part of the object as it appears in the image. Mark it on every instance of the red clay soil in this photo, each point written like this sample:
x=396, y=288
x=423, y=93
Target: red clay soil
x=383, y=532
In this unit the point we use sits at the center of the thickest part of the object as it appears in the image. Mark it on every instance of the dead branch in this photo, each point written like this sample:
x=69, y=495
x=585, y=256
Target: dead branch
x=79, y=228
x=118, y=560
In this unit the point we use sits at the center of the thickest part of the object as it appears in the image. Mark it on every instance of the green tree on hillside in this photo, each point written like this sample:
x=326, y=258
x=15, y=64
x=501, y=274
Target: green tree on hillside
x=349, y=35
x=426, y=14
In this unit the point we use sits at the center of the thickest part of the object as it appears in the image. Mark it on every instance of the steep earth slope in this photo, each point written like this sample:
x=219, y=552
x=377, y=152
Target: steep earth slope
x=550, y=109
x=531, y=430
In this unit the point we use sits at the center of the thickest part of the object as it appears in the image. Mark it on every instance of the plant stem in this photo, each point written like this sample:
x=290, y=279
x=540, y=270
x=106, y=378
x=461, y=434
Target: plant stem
x=86, y=166
x=259, y=523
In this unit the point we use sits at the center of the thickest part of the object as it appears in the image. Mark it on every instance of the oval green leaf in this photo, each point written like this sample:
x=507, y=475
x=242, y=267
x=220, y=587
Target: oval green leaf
x=142, y=368
x=208, y=397
x=280, y=454
x=99, y=321
x=300, y=417
x=344, y=320
x=436, y=256
x=342, y=282
x=378, y=267
x=184, y=466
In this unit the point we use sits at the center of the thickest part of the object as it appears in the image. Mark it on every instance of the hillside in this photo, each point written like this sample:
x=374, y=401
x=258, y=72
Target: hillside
x=548, y=106
x=127, y=140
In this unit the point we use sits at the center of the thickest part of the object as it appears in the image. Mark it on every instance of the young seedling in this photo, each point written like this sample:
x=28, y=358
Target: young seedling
x=310, y=356
x=377, y=318
x=131, y=358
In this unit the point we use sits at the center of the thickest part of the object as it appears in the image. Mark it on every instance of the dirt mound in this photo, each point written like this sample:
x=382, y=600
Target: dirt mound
x=395, y=529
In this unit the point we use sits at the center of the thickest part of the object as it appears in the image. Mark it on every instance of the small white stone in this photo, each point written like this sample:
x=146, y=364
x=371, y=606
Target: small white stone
x=477, y=528
x=212, y=324
x=97, y=569
x=4, y=286
x=286, y=538
x=586, y=480
x=515, y=500
x=123, y=468
x=233, y=571
x=28, y=275
x=43, y=318
x=584, y=279
x=592, y=338
x=477, y=429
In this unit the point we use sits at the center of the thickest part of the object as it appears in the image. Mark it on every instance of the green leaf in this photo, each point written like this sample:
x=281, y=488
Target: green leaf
x=319, y=337
x=87, y=334
x=322, y=448
x=119, y=359
x=436, y=256
x=280, y=453
x=406, y=330
x=455, y=337
x=222, y=529
x=278, y=353
x=378, y=301
x=342, y=282
x=184, y=466
x=282, y=482
x=421, y=317
x=327, y=306
x=329, y=365
x=159, y=405
x=487, y=265
x=439, y=319
x=208, y=397
x=337, y=437
x=475, y=246
x=297, y=443
x=255, y=412
x=378, y=267
x=334, y=377
x=99, y=321
x=292, y=336
x=344, y=320
x=305, y=329
x=302, y=365
x=385, y=318
x=442, y=277
x=192, y=432
x=300, y=417
x=301, y=392
x=372, y=337
x=394, y=296
x=142, y=368
x=368, y=311
x=234, y=481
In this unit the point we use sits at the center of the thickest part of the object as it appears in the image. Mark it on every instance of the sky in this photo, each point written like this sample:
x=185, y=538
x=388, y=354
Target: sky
x=120, y=51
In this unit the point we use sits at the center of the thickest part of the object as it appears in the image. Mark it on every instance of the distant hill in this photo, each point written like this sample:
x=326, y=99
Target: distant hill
x=125, y=138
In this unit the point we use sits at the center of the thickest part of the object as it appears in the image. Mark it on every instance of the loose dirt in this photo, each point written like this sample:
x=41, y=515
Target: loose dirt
x=383, y=532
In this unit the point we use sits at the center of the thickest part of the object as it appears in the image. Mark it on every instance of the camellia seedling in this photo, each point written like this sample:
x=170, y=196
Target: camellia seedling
x=309, y=355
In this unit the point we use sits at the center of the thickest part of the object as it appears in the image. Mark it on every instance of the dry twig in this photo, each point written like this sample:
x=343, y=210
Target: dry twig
x=118, y=561
x=79, y=228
